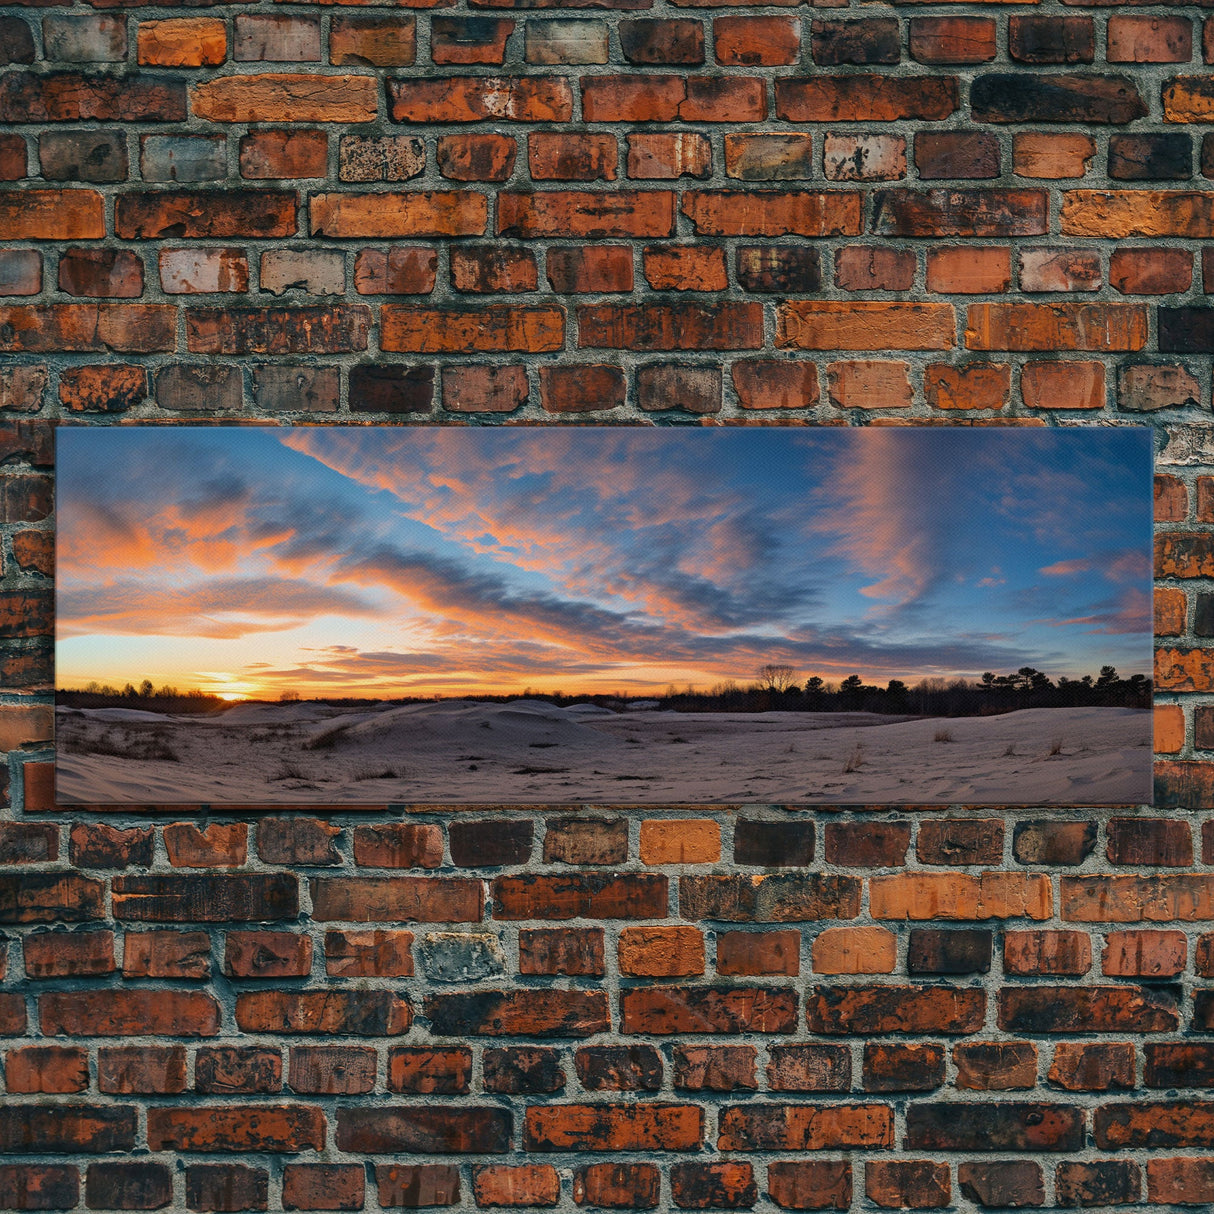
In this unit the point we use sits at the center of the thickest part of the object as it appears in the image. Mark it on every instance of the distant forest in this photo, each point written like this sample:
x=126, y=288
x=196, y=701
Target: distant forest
x=777, y=688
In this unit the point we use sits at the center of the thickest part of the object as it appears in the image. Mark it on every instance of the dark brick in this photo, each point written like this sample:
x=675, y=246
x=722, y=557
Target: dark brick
x=490, y=843
x=130, y=1185
x=872, y=41
x=391, y=388
x=959, y=951
x=1150, y=157
x=522, y=1070
x=903, y=1068
x=1026, y=97
x=1053, y=843
x=773, y=844
x=1051, y=39
x=779, y=269
x=1002, y=1126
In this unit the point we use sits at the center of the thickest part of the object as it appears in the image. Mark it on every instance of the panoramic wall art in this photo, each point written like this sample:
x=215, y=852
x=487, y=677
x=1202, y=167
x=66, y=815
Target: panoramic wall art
x=502, y=615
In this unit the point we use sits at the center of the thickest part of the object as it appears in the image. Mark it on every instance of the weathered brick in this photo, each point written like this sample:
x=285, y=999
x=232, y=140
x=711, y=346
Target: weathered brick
x=894, y=1009
x=376, y=41
x=141, y=215
x=661, y=952
x=226, y=1187
x=499, y=327
x=1093, y=1066
x=938, y=40
x=1101, y=1182
x=801, y=1127
x=890, y=1067
x=1056, y=1009
x=899, y=1184
x=182, y=42
x=865, y=97
x=1003, y=1126
x=570, y=41
x=108, y=388
x=283, y=97
x=469, y=39
x=75, y=97
x=399, y=270
x=668, y=386
x=283, y=154
x=479, y=98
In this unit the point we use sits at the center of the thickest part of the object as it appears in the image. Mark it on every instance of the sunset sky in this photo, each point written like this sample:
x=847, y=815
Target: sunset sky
x=384, y=561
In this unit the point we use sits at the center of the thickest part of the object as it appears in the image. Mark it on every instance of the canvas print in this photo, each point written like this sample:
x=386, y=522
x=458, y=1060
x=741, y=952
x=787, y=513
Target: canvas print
x=625, y=615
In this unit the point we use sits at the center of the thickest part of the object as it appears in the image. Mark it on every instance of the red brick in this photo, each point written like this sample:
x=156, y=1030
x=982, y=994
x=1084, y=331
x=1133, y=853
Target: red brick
x=1136, y=954
x=1111, y=1181
x=182, y=42
x=864, y=325
x=1149, y=841
x=956, y=154
x=485, y=269
x=995, y=1066
x=515, y=1013
x=894, y=1009
x=431, y=213
x=871, y=384
x=567, y=213
x=76, y=97
x=378, y=41
x=762, y=384
x=166, y=954
x=49, y=1068
x=363, y=954
x=756, y=953
x=226, y=1187
x=484, y=389
x=973, y=386
x=661, y=952
x=581, y=388
x=902, y=1184
x=903, y=1068
x=988, y=213
x=399, y=845
x=107, y=388
x=127, y=1012
x=1171, y=499
x=561, y=951
x=619, y=1186
x=400, y=270
x=804, y=1127
x=497, y=1185
x=756, y=41
x=952, y=39
x=375, y=1013
x=685, y=268
x=1149, y=39
x=772, y=213
x=810, y=1185
x=874, y=268
x=332, y=1070
x=429, y=1071
x=668, y=155
x=400, y=1129
x=262, y=954
x=969, y=270
x=656, y=42
x=285, y=97
x=1093, y=1066
x=864, y=97
x=105, y=327
x=677, y=326
x=855, y=950
x=707, y=1009
x=1180, y=1181
x=613, y=1127
x=590, y=270
x=809, y=1068
x=1134, y=271
x=246, y=1127
x=500, y=327
x=476, y=157
x=1169, y=727
x=559, y=156
x=219, y=845
x=283, y=154
x=665, y=386
x=1062, y=385
x=417, y=1185
x=1051, y=39
x=713, y=1186
x=1049, y=156
x=317, y=1186
x=654, y=98
x=480, y=98
x=469, y=40
x=142, y=215
x=60, y=954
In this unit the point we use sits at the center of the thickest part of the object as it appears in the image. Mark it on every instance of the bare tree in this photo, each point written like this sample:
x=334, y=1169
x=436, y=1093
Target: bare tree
x=773, y=677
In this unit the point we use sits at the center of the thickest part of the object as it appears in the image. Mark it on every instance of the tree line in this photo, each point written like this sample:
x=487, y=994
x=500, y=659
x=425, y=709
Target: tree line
x=779, y=688
x=145, y=696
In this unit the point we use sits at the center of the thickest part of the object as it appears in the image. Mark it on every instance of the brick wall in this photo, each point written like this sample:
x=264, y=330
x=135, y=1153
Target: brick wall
x=639, y=212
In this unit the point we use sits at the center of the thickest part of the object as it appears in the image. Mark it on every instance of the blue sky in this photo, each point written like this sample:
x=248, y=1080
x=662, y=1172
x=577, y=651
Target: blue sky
x=397, y=560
